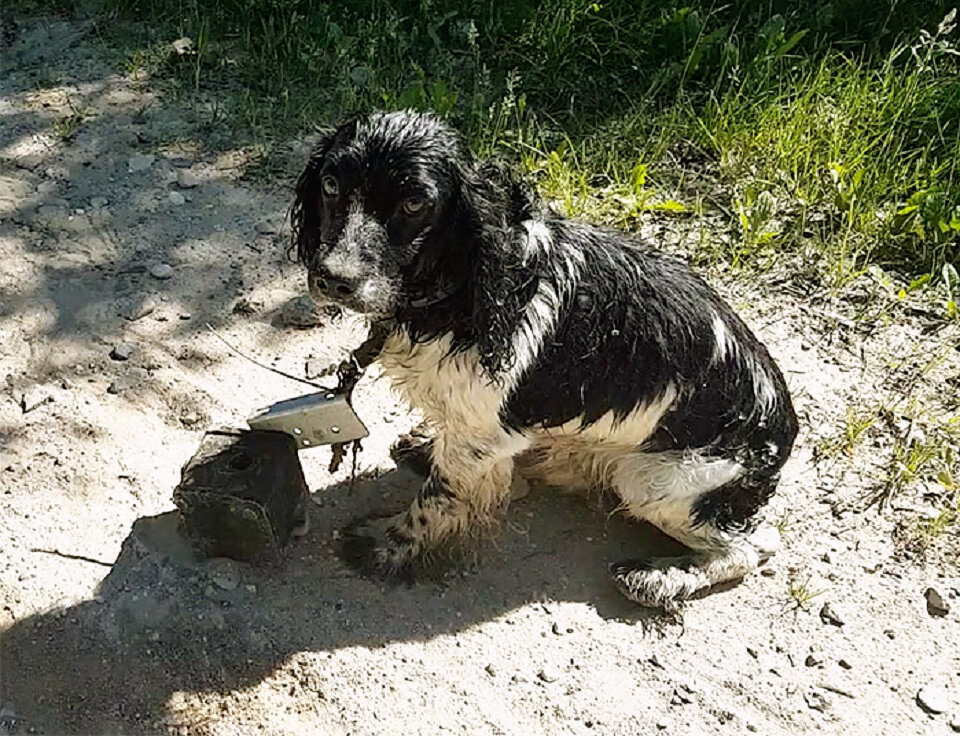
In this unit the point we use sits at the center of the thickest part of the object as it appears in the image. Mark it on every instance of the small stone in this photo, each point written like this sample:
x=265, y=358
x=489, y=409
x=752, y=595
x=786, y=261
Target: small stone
x=845, y=663
x=548, y=674
x=223, y=573
x=817, y=701
x=190, y=419
x=936, y=605
x=933, y=699
x=767, y=572
x=556, y=629
x=300, y=313
x=176, y=199
x=827, y=558
x=655, y=661
x=182, y=46
x=140, y=162
x=316, y=368
x=98, y=203
x=662, y=725
x=813, y=660
x=161, y=271
x=138, y=308
x=266, y=227
x=246, y=307
x=122, y=351
x=955, y=722
x=123, y=383
x=829, y=616
x=186, y=179
x=752, y=652
x=491, y=670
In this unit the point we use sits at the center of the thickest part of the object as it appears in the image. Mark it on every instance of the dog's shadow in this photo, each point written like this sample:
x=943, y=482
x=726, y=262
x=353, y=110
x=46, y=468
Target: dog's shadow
x=164, y=623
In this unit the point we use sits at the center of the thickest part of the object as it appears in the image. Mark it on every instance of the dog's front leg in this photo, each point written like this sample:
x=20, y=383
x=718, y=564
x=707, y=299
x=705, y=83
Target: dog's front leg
x=469, y=480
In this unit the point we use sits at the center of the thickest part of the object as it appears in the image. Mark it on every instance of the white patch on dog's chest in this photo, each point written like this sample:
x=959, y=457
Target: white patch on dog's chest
x=451, y=390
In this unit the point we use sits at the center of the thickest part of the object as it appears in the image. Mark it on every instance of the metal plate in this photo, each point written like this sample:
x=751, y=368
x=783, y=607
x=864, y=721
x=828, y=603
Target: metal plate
x=314, y=419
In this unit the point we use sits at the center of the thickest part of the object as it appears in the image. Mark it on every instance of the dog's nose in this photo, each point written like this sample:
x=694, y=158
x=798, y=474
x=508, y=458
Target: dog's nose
x=335, y=287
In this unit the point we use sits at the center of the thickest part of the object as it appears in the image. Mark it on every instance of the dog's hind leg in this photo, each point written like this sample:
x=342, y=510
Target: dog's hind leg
x=469, y=480
x=708, y=505
x=663, y=582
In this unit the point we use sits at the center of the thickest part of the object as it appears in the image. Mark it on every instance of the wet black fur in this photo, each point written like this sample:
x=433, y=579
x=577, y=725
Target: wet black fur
x=636, y=320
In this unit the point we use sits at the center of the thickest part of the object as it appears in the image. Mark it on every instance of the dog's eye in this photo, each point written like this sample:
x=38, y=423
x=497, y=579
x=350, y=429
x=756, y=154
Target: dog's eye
x=414, y=206
x=330, y=186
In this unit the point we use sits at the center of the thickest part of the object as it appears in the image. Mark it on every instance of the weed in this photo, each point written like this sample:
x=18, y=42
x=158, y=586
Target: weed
x=66, y=127
x=857, y=422
x=800, y=591
x=919, y=536
x=784, y=524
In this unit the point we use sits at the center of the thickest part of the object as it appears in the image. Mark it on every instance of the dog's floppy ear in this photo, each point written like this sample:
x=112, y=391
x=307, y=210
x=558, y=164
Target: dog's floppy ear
x=304, y=214
x=493, y=204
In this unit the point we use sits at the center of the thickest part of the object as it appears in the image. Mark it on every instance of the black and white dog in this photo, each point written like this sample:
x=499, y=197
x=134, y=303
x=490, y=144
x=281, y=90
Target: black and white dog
x=580, y=355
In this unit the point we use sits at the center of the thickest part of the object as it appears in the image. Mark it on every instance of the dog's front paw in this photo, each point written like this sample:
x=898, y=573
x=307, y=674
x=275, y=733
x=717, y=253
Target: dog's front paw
x=377, y=547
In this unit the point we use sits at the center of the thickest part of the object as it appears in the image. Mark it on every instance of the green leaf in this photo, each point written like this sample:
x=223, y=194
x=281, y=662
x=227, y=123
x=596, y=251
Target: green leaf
x=787, y=46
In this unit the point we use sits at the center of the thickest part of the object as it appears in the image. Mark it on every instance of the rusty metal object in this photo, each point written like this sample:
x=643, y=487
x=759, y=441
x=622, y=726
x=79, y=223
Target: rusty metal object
x=348, y=375
x=242, y=494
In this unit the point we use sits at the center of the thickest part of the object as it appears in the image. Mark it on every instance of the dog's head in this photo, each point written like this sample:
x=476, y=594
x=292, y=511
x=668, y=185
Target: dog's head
x=378, y=210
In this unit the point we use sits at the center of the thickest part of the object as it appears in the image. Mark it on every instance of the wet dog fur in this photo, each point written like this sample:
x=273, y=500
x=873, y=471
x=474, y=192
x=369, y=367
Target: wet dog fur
x=577, y=354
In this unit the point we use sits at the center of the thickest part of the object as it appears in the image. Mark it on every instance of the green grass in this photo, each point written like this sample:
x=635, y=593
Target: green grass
x=829, y=128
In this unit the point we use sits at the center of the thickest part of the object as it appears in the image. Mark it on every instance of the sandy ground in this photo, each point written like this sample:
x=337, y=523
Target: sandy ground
x=130, y=237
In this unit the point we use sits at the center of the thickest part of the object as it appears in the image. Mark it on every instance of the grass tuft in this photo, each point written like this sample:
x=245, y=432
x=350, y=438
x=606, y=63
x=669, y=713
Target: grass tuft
x=830, y=128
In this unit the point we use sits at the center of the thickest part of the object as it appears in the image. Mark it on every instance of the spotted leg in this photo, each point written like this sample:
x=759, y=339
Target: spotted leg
x=469, y=481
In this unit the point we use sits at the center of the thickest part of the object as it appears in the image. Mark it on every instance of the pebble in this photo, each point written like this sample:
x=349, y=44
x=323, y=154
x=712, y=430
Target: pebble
x=317, y=368
x=817, y=701
x=98, y=203
x=138, y=308
x=246, y=307
x=140, y=162
x=186, y=179
x=682, y=695
x=767, y=572
x=490, y=670
x=548, y=674
x=845, y=663
x=813, y=660
x=829, y=616
x=266, y=227
x=224, y=573
x=176, y=199
x=933, y=699
x=555, y=628
x=936, y=605
x=300, y=312
x=122, y=351
x=161, y=271
x=123, y=383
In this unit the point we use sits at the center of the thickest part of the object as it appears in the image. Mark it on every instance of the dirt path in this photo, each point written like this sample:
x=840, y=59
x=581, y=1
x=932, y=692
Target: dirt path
x=121, y=236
